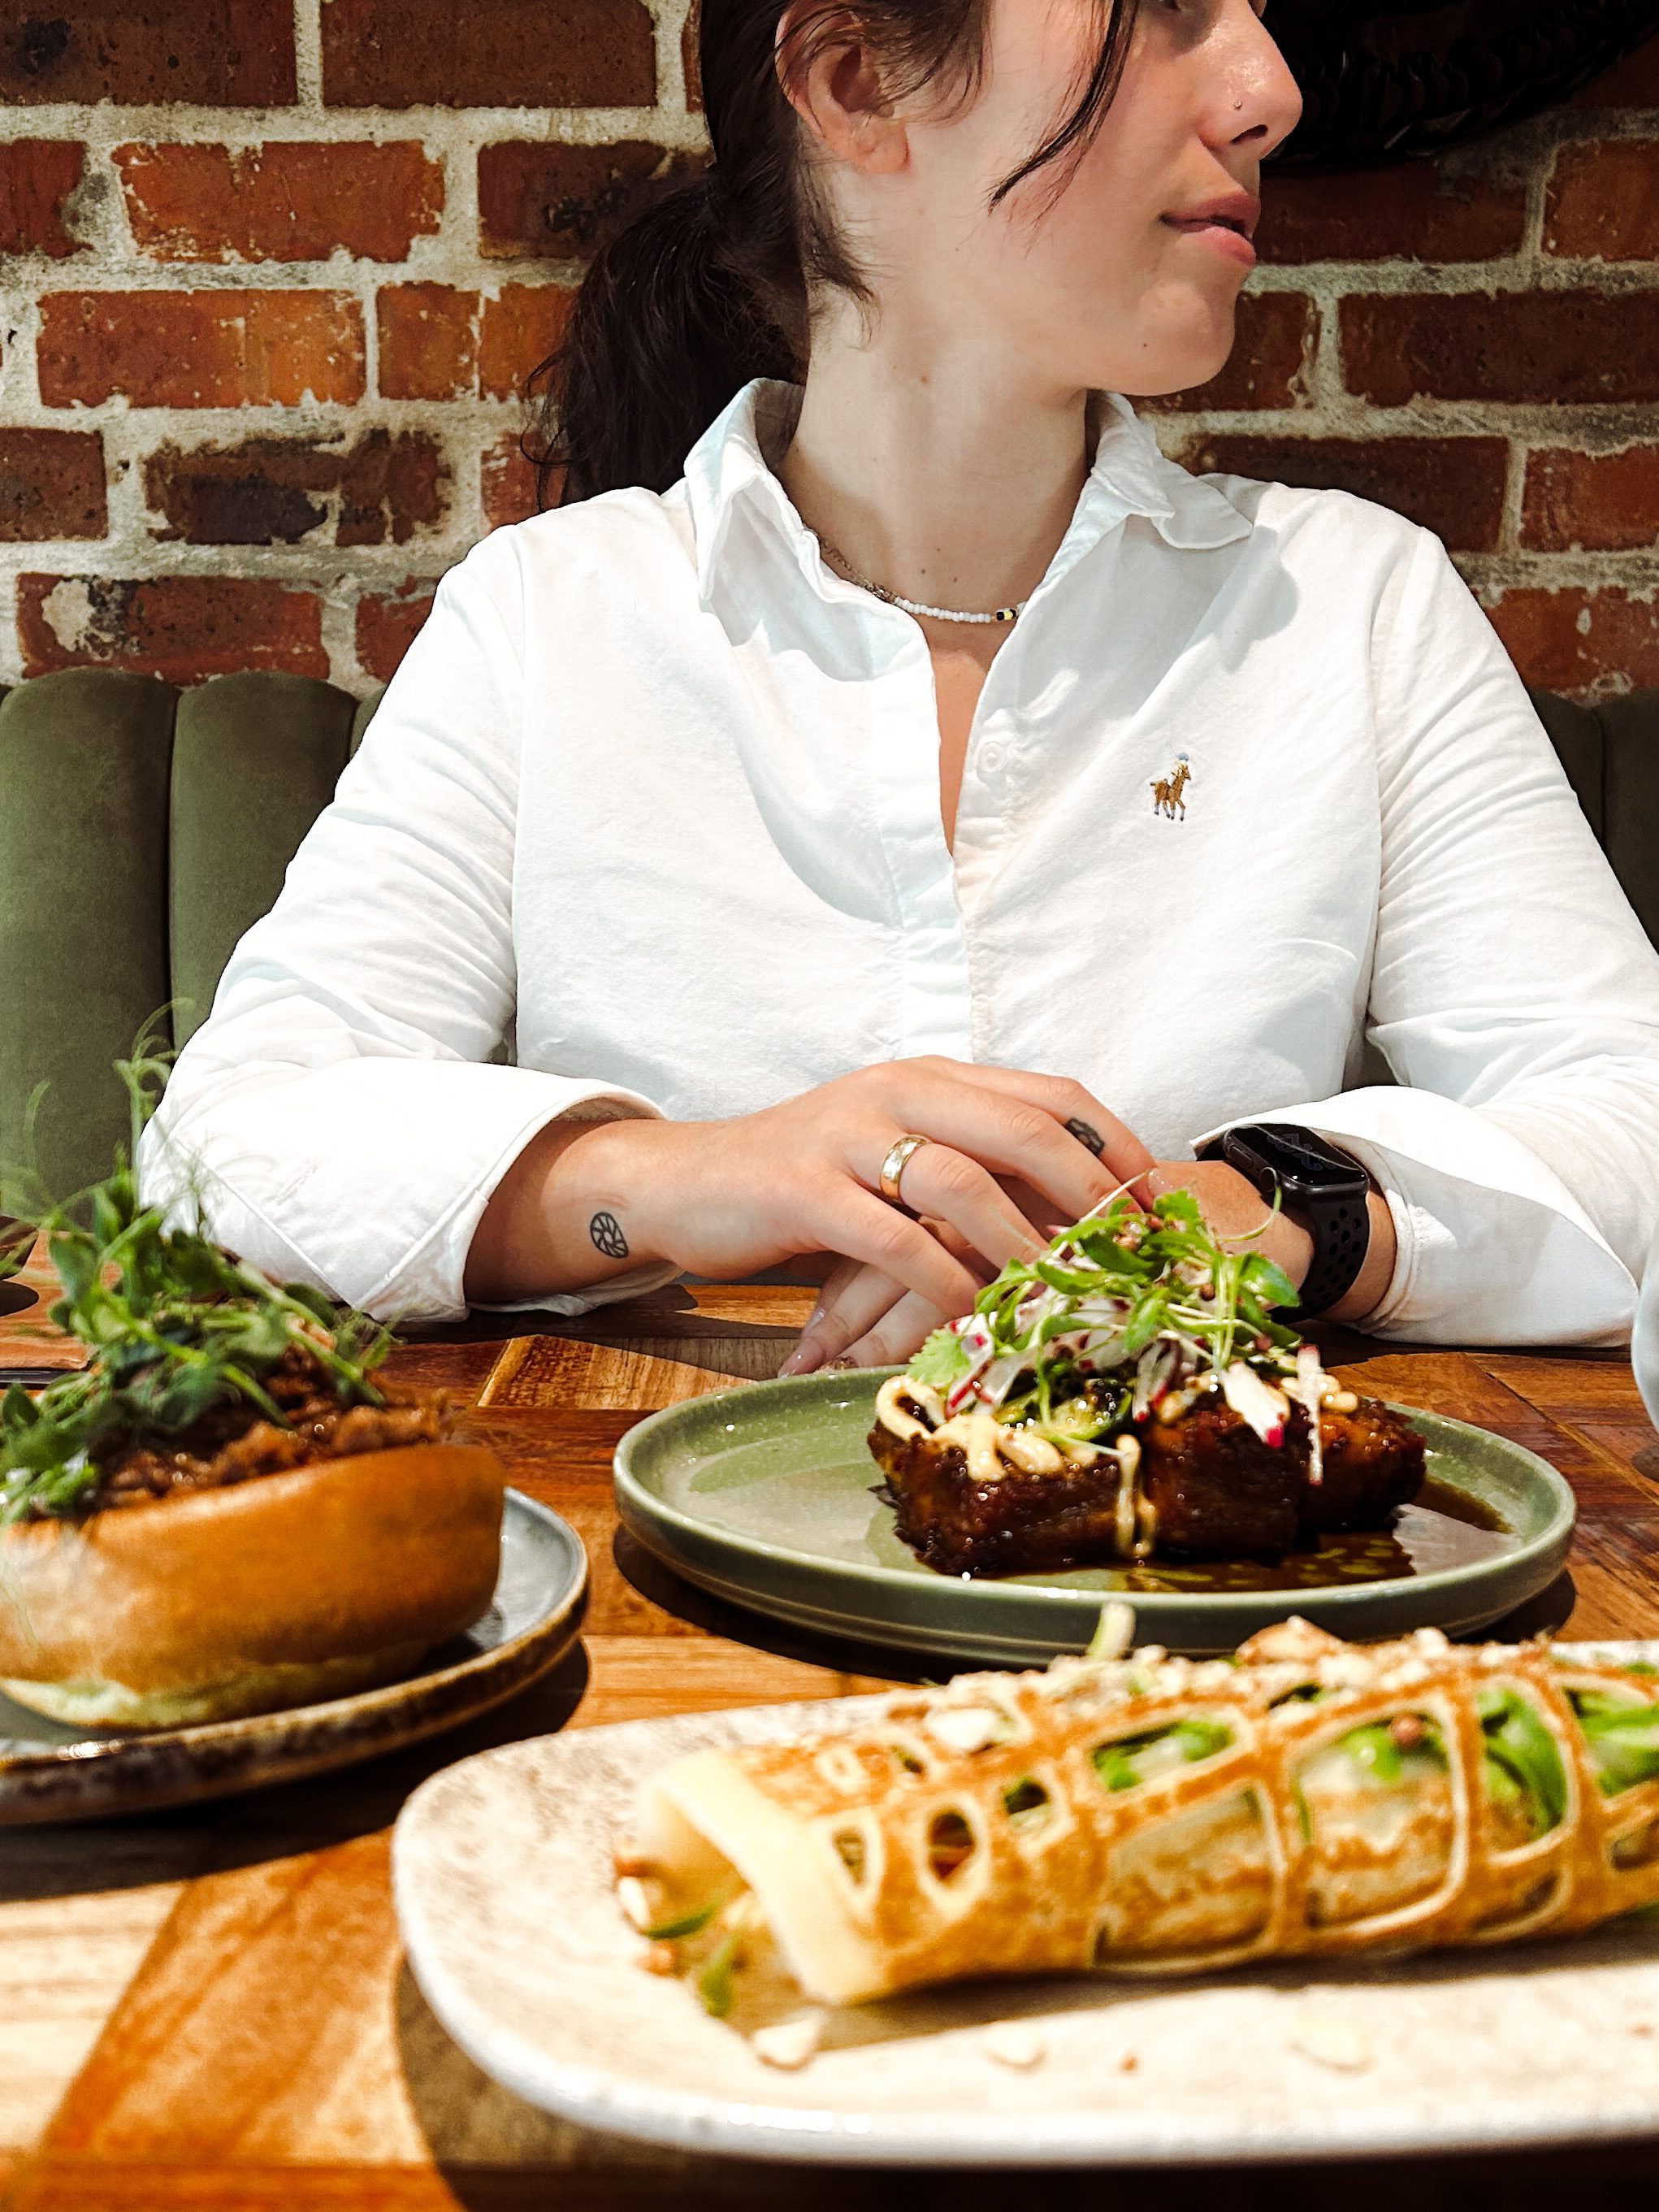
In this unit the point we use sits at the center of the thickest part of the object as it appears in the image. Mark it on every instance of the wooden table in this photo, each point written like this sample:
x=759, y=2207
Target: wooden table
x=210, y=2007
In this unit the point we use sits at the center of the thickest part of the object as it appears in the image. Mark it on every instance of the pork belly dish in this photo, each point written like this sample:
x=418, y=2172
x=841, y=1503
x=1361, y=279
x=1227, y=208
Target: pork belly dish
x=1130, y=1395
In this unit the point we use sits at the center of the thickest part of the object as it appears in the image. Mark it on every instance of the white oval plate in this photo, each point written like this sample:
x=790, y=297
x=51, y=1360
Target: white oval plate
x=502, y=1875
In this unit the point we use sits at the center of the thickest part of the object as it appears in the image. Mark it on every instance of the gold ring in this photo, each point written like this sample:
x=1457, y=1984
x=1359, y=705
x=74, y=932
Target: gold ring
x=893, y=1167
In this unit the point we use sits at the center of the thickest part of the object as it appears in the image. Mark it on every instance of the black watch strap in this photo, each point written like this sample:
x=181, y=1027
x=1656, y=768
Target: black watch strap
x=1320, y=1189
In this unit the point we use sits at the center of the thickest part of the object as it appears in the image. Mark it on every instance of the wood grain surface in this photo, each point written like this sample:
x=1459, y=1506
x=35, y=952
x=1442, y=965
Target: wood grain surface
x=211, y=2008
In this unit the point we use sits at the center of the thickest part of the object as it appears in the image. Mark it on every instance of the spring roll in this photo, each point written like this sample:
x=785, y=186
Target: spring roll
x=1155, y=1814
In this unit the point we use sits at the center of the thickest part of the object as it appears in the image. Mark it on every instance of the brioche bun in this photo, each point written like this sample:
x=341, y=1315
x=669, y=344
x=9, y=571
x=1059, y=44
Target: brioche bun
x=278, y=1591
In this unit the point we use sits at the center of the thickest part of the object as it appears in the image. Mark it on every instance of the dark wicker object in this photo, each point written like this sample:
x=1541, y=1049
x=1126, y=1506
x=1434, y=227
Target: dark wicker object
x=1382, y=81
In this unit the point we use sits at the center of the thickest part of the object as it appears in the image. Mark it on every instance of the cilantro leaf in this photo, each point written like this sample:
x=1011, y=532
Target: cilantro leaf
x=942, y=1362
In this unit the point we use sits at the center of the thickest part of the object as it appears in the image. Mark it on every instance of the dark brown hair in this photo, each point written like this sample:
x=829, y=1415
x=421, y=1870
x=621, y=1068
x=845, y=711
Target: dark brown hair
x=711, y=285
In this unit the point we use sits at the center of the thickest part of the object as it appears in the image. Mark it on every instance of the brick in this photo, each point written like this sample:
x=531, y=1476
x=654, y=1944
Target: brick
x=51, y=484
x=1591, y=502
x=1453, y=486
x=507, y=483
x=200, y=349
x=1631, y=83
x=279, y=202
x=1419, y=213
x=179, y=627
x=428, y=340
x=520, y=330
x=225, y=53
x=379, y=488
x=438, y=342
x=1582, y=642
x=538, y=196
x=1602, y=201
x=37, y=176
x=1273, y=352
x=691, y=61
x=488, y=53
x=1578, y=346
x=387, y=623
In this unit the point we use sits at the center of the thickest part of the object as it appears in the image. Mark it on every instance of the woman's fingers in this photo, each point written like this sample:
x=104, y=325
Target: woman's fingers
x=956, y=1192
x=856, y=1299
x=868, y=1229
x=1079, y=1112
x=901, y=1330
x=996, y=1129
x=853, y=1302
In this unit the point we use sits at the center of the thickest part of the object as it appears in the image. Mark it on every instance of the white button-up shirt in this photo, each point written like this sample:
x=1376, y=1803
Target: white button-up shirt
x=654, y=800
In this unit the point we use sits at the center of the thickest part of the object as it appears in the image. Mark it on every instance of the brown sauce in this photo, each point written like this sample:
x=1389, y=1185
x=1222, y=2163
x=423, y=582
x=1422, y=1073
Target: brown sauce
x=1442, y=1528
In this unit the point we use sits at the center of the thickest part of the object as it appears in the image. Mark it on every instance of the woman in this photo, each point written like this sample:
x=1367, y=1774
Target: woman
x=883, y=743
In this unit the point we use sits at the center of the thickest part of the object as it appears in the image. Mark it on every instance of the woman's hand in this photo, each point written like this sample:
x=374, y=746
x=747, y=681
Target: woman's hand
x=864, y=1318
x=728, y=1198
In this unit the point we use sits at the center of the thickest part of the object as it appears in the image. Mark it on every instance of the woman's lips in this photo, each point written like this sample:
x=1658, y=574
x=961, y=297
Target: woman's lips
x=1231, y=242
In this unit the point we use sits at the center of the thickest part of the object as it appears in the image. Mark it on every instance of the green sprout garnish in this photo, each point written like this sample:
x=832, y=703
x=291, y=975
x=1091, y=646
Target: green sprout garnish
x=174, y=1326
x=1152, y=1293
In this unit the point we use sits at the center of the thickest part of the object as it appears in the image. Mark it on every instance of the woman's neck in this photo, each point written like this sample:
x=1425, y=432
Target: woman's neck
x=932, y=475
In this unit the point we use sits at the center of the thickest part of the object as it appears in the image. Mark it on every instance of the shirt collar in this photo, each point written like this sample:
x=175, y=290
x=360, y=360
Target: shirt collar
x=727, y=469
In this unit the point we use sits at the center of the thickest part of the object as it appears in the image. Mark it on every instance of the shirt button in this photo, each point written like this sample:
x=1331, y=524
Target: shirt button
x=992, y=756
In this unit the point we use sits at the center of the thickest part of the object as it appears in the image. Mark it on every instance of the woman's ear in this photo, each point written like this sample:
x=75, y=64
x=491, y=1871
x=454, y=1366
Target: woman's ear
x=832, y=77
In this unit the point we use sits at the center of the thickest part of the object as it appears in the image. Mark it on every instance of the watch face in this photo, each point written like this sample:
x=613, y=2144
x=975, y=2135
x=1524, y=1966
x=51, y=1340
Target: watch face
x=1298, y=1160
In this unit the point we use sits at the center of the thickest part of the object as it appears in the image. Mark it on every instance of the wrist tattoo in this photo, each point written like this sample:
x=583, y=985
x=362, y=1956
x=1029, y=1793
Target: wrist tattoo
x=1086, y=1136
x=607, y=1234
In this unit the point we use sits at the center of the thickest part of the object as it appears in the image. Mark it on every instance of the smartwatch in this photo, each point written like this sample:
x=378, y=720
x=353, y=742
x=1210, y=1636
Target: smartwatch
x=1323, y=1191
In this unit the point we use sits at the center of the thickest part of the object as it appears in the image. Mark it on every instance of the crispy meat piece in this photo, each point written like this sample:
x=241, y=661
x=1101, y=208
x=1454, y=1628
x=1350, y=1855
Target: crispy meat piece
x=1375, y=1461
x=1219, y=1492
x=1025, y=1525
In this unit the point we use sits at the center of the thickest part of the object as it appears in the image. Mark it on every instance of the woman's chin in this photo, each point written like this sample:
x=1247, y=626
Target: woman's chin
x=1191, y=349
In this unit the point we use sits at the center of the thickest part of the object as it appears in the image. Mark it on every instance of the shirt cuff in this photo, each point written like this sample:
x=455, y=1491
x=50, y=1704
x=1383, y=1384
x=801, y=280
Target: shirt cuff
x=388, y=1228
x=1493, y=1248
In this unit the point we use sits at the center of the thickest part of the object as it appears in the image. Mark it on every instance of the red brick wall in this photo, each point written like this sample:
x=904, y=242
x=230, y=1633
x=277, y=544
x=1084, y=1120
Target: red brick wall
x=274, y=271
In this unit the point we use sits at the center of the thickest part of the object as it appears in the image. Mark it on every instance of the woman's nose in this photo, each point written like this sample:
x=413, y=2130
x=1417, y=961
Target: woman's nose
x=1262, y=100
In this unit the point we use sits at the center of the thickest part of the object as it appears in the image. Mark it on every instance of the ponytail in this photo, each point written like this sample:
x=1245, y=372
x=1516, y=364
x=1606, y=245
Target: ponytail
x=665, y=331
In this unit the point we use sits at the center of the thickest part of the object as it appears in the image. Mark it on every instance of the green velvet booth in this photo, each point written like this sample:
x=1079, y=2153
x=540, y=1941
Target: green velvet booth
x=143, y=828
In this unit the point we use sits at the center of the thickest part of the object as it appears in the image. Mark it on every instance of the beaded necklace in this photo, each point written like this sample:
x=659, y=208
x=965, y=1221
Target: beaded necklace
x=917, y=606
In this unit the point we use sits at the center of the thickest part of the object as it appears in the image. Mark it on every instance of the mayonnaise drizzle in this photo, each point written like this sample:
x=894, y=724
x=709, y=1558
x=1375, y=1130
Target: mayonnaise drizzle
x=1129, y=1467
x=893, y=1402
x=992, y=1447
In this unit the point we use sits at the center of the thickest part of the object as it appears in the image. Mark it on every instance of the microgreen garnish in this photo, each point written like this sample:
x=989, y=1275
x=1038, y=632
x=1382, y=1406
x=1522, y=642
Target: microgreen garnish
x=1119, y=1307
x=173, y=1326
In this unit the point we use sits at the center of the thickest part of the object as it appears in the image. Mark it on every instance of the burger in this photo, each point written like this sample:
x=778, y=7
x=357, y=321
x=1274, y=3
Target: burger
x=223, y=1511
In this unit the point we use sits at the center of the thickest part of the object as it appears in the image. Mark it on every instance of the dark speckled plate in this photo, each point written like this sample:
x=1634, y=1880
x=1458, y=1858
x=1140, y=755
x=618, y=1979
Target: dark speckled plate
x=52, y=1773
x=764, y=1495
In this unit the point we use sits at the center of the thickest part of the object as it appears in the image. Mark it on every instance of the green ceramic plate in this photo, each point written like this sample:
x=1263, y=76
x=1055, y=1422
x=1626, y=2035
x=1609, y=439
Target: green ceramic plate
x=763, y=1495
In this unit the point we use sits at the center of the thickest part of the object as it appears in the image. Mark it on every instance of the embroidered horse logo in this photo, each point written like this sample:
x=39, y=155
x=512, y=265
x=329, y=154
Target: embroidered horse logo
x=1166, y=791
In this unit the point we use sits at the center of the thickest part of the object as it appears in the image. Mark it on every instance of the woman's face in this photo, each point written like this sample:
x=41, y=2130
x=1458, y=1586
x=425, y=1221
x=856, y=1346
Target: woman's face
x=1098, y=288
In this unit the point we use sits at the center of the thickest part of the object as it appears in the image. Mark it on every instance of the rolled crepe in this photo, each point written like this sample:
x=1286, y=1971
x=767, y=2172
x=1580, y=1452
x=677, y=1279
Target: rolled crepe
x=1152, y=1815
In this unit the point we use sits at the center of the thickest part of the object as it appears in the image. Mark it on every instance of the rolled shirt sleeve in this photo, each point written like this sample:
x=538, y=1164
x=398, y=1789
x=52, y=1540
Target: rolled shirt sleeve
x=1515, y=998
x=338, y=1117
